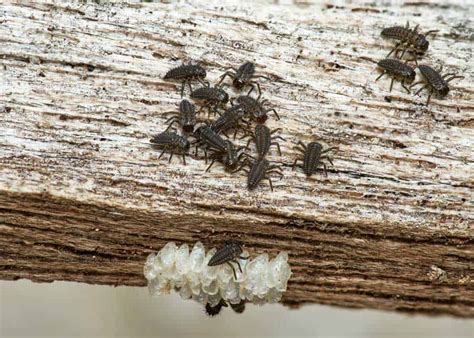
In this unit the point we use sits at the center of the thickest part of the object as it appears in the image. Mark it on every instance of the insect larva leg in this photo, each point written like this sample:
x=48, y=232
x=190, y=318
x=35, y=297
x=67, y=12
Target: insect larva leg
x=403, y=52
x=205, y=83
x=275, y=130
x=238, y=264
x=327, y=158
x=416, y=83
x=201, y=81
x=252, y=138
x=391, y=84
x=447, y=74
x=210, y=165
x=262, y=77
x=230, y=74
x=259, y=91
x=242, y=154
x=383, y=73
x=231, y=67
x=302, y=150
x=250, y=156
x=169, y=112
x=171, y=119
x=431, y=32
x=274, y=112
x=328, y=149
x=325, y=170
x=276, y=172
x=182, y=88
x=394, y=49
x=184, y=159
x=278, y=147
x=241, y=168
x=233, y=270
x=190, y=88
x=454, y=77
x=419, y=90
x=404, y=87
x=171, y=156
x=294, y=164
x=429, y=97
x=162, y=153
x=270, y=181
x=253, y=87
x=274, y=169
x=302, y=144
x=247, y=123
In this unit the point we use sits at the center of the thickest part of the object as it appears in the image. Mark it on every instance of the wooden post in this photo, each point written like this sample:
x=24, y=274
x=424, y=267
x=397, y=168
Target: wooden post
x=84, y=198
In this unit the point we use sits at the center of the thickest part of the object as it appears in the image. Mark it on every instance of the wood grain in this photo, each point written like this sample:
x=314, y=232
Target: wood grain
x=84, y=198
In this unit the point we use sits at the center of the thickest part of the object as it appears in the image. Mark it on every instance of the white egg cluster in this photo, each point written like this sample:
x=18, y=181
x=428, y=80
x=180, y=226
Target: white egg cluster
x=261, y=281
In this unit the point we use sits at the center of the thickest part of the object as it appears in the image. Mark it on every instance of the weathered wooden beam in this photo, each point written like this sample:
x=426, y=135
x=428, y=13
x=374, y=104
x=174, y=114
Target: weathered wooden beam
x=84, y=198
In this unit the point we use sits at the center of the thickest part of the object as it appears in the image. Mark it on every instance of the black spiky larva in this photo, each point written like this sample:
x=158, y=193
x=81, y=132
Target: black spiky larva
x=243, y=76
x=223, y=149
x=227, y=254
x=230, y=157
x=313, y=156
x=408, y=38
x=186, y=117
x=437, y=83
x=212, y=97
x=209, y=140
x=264, y=139
x=397, y=70
x=170, y=141
x=256, y=108
x=239, y=307
x=212, y=311
x=260, y=169
x=231, y=118
x=186, y=73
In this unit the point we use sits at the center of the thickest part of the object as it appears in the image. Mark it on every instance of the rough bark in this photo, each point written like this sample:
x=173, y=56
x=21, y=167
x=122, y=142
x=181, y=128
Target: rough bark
x=84, y=198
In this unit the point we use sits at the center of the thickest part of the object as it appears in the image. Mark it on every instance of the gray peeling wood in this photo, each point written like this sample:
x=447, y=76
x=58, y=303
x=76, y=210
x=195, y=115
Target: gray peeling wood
x=84, y=198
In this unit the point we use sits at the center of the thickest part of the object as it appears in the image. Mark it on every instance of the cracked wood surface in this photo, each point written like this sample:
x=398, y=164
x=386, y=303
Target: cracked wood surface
x=84, y=198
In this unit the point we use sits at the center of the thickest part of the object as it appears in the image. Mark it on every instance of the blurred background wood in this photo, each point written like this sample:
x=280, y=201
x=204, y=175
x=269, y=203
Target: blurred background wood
x=84, y=198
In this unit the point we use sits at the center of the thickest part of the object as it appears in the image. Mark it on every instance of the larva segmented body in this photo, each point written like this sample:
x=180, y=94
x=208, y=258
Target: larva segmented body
x=408, y=38
x=255, y=108
x=264, y=139
x=186, y=73
x=313, y=156
x=229, y=252
x=171, y=142
x=398, y=70
x=435, y=82
x=259, y=170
